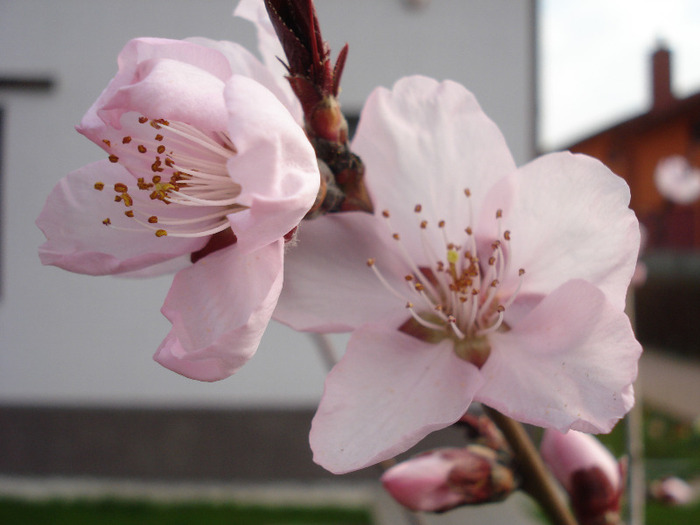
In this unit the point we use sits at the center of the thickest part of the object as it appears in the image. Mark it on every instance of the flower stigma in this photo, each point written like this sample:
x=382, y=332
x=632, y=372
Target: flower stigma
x=458, y=292
x=189, y=191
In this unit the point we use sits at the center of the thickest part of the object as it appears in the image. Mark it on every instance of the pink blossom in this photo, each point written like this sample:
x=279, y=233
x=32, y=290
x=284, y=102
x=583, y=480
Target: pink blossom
x=201, y=159
x=589, y=473
x=677, y=180
x=439, y=480
x=473, y=281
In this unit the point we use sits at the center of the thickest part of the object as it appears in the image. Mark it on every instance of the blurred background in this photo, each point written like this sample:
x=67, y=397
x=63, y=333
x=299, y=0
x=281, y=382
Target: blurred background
x=617, y=80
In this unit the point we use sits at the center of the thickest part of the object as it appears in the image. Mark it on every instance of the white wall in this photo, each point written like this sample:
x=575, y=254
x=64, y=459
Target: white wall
x=68, y=338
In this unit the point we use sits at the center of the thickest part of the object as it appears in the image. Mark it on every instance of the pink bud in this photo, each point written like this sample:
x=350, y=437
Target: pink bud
x=672, y=491
x=589, y=473
x=442, y=479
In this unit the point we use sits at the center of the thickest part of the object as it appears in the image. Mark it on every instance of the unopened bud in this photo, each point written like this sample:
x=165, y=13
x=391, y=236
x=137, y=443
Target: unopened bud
x=589, y=472
x=327, y=121
x=672, y=491
x=483, y=431
x=443, y=479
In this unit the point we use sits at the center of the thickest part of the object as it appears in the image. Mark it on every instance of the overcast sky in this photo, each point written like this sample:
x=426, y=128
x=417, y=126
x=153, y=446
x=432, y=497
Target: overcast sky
x=594, y=60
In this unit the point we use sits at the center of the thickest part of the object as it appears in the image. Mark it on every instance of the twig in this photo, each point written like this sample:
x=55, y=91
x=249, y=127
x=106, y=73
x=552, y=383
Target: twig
x=537, y=481
x=327, y=349
x=636, y=484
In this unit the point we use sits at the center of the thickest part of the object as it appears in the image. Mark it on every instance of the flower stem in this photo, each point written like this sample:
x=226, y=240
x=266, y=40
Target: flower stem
x=537, y=481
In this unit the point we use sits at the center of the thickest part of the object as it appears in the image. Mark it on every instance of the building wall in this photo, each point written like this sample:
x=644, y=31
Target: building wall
x=72, y=339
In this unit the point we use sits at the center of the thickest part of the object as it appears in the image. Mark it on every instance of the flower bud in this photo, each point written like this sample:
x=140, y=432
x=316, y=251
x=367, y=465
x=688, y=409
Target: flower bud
x=443, y=479
x=589, y=473
x=327, y=121
x=672, y=491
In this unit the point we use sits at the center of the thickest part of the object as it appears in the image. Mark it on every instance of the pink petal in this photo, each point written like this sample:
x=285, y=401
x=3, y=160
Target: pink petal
x=568, y=217
x=219, y=308
x=275, y=165
x=429, y=141
x=78, y=241
x=244, y=63
x=170, y=266
x=141, y=50
x=271, y=52
x=328, y=286
x=388, y=392
x=172, y=90
x=570, y=363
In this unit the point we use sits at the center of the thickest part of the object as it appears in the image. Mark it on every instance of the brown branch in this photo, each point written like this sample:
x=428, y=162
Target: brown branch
x=537, y=481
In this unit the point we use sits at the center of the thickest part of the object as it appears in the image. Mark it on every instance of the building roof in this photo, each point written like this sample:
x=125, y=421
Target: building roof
x=665, y=106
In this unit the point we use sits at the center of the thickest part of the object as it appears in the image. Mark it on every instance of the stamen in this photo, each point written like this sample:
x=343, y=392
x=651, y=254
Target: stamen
x=194, y=173
x=406, y=256
x=453, y=324
x=496, y=325
x=373, y=266
x=499, y=216
x=512, y=297
x=459, y=292
x=420, y=320
x=470, y=211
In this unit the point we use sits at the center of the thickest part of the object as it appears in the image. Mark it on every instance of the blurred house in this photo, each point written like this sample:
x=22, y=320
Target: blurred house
x=668, y=305
x=634, y=148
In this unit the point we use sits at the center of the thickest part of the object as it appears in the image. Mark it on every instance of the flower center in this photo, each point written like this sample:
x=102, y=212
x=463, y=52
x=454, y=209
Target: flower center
x=458, y=294
x=186, y=189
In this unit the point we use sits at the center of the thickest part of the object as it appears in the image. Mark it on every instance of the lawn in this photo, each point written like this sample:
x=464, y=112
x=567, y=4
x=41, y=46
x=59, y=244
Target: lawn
x=671, y=448
x=118, y=512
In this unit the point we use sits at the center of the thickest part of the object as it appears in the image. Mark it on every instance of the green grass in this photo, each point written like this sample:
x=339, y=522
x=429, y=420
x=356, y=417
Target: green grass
x=658, y=514
x=671, y=448
x=117, y=512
